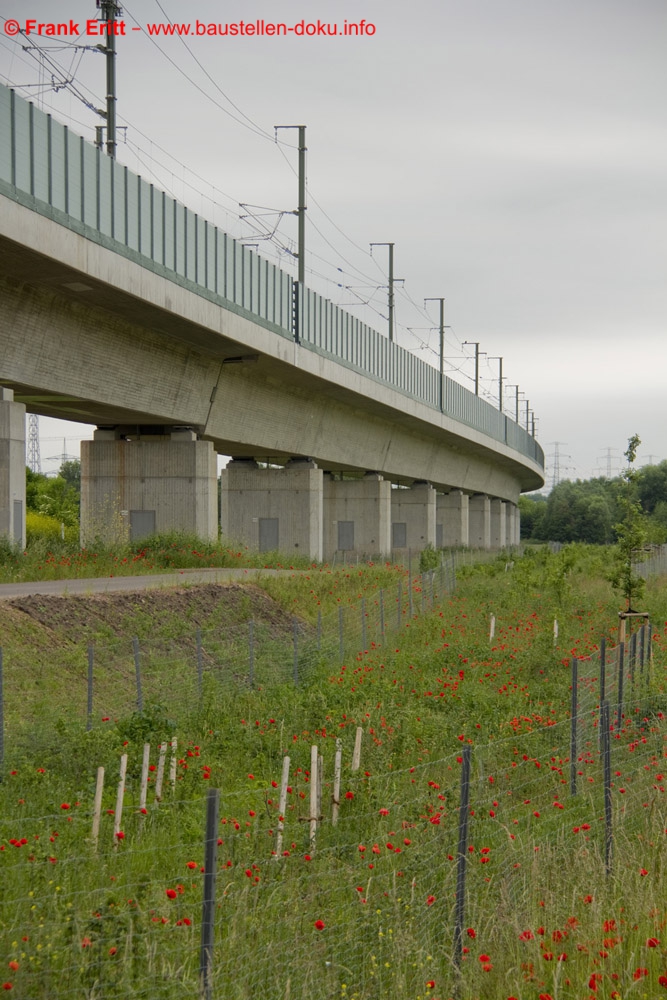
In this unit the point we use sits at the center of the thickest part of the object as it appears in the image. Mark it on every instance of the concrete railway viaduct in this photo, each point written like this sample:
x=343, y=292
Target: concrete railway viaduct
x=122, y=308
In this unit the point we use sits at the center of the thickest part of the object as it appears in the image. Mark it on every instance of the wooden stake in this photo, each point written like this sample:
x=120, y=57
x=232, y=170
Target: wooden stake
x=119, y=800
x=97, y=808
x=335, y=801
x=320, y=781
x=356, y=756
x=172, y=766
x=160, y=772
x=555, y=631
x=143, y=791
x=313, y=796
x=282, y=805
x=492, y=628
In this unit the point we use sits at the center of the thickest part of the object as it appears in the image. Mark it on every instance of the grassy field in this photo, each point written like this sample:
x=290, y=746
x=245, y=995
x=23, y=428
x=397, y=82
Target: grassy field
x=366, y=912
x=55, y=559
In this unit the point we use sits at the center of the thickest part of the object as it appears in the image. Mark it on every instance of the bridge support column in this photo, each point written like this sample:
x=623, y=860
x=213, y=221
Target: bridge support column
x=413, y=517
x=274, y=509
x=498, y=513
x=137, y=482
x=480, y=521
x=514, y=524
x=357, y=516
x=452, y=520
x=12, y=468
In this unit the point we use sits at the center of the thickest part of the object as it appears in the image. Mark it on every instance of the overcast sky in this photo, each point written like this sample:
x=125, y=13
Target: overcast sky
x=515, y=151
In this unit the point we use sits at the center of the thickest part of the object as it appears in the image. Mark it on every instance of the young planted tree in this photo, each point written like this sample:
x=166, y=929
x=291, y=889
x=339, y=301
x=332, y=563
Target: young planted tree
x=631, y=531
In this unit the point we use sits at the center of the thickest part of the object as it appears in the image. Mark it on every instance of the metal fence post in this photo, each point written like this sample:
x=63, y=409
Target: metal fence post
x=208, y=904
x=295, y=638
x=200, y=665
x=363, y=623
x=633, y=657
x=573, y=729
x=137, y=670
x=464, y=804
x=621, y=671
x=603, y=681
x=606, y=766
x=89, y=713
x=2, y=720
x=251, y=653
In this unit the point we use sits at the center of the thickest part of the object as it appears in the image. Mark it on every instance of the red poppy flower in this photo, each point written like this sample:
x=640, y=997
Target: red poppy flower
x=319, y=925
x=171, y=893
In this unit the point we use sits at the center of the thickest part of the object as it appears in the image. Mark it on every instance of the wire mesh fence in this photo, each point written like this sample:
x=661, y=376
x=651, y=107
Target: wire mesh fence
x=124, y=676
x=331, y=879
x=368, y=905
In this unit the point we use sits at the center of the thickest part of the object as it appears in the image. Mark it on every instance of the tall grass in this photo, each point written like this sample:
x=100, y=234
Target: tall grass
x=367, y=912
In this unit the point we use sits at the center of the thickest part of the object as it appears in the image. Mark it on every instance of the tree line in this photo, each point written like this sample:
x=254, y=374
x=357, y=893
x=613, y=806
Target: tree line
x=589, y=510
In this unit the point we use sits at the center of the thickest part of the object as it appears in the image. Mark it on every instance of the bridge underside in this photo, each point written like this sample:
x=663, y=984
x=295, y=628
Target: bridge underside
x=91, y=336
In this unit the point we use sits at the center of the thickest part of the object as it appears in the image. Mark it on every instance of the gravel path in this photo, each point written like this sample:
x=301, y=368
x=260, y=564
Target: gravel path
x=120, y=584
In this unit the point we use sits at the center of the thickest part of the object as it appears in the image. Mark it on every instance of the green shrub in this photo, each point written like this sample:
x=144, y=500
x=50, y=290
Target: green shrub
x=42, y=527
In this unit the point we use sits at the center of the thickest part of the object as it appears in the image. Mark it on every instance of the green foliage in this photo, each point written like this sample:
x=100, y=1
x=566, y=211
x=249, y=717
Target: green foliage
x=588, y=510
x=45, y=529
x=71, y=473
x=429, y=558
x=533, y=511
x=580, y=511
x=57, y=497
x=365, y=913
x=153, y=724
x=631, y=532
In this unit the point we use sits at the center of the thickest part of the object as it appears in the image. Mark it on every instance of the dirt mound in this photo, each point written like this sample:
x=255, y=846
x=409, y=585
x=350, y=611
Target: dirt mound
x=205, y=606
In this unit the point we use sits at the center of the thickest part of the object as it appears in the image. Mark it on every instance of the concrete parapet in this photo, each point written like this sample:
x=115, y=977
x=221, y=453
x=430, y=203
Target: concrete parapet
x=498, y=514
x=452, y=529
x=413, y=517
x=479, y=507
x=12, y=468
x=138, y=484
x=357, y=516
x=269, y=509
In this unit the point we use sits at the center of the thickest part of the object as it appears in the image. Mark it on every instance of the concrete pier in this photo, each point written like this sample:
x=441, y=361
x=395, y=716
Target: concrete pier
x=413, y=514
x=357, y=516
x=452, y=528
x=273, y=509
x=12, y=469
x=498, y=515
x=137, y=482
x=479, y=508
